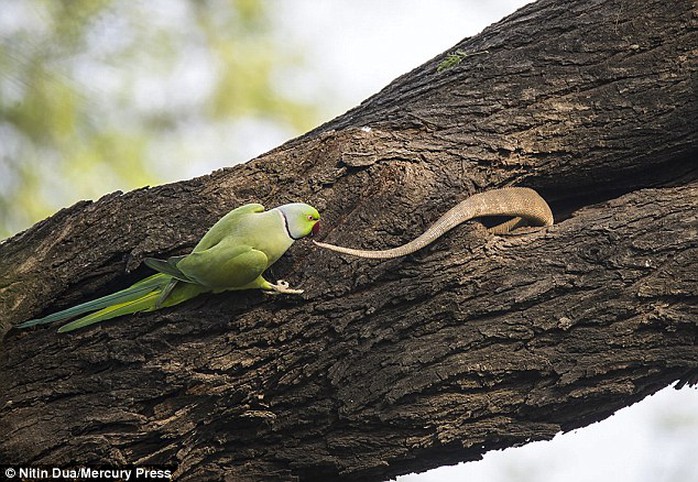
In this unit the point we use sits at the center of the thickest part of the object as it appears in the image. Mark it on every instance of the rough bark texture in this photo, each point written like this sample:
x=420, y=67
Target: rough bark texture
x=381, y=368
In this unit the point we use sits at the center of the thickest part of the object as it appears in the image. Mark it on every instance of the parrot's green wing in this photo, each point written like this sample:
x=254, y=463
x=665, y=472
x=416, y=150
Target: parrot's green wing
x=225, y=266
x=166, y=292
x=246, y=209
x=204, y=263
x=168, y=266
x=223, y=227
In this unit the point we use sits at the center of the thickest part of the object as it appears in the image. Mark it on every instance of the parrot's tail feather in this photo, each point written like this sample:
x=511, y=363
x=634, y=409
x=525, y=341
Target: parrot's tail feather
x=144, y=303
x=153, y=283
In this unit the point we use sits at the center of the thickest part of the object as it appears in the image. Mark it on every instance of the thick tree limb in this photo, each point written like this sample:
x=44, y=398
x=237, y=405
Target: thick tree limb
x=381, y=368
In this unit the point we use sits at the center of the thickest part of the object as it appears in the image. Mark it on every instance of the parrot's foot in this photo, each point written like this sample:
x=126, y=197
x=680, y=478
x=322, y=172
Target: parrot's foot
x=282, y=286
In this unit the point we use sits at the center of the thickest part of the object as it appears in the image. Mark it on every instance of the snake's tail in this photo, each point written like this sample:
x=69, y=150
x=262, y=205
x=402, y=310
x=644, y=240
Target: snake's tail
x=524, y=205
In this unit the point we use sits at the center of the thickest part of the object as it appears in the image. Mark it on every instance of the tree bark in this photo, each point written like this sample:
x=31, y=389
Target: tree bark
x=382, y=368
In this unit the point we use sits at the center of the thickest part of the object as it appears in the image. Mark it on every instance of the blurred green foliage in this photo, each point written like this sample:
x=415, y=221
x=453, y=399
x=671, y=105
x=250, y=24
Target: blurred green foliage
x=116, y=94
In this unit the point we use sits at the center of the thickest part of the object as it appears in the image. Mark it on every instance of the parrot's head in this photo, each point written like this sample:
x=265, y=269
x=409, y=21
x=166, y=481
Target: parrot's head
x=301, y=219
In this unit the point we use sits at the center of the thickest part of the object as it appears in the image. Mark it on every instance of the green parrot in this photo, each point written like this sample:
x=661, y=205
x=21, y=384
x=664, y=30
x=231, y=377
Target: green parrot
x=232, y=255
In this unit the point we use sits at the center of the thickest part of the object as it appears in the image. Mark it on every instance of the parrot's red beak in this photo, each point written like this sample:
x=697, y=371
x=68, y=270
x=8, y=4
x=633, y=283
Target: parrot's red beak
x=316, y=229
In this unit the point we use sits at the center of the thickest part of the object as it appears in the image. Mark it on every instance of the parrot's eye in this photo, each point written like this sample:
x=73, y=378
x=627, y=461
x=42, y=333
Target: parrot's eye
x=310, y=217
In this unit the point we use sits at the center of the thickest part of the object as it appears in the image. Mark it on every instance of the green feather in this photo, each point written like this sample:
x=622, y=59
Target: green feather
x=135, y=291
x=144, y=303
x=232, y=255
x=168, y=266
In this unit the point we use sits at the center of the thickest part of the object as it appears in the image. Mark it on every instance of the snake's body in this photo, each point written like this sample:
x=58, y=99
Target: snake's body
x=524, y=205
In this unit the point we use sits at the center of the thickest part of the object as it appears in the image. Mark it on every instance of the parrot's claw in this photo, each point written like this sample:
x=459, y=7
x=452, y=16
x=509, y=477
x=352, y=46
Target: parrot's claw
x=282, y=286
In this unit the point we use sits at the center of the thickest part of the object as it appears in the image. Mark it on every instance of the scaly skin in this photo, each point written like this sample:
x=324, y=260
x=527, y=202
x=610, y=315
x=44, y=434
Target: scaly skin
x=523, y=204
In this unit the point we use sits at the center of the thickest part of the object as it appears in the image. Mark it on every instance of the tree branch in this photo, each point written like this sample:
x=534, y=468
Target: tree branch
x=381, y=368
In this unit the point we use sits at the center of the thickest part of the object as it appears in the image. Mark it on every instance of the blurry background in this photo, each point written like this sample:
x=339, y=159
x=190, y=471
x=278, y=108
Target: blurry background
x=99, y=95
